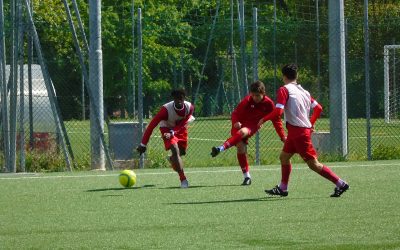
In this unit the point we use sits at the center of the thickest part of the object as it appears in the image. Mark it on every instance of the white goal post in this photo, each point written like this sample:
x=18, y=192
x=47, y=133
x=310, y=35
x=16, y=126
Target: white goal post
x=391, y=82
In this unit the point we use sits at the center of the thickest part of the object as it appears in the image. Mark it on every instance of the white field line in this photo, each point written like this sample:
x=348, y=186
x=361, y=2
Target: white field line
x=38, y=176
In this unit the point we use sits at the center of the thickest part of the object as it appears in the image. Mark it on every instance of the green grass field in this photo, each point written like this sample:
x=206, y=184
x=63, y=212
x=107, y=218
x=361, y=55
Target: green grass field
x=89, y=210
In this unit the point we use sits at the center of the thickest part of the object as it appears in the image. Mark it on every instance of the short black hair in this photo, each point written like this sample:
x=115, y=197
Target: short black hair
x=290, y=71
x=257, y=87
x=178, y=93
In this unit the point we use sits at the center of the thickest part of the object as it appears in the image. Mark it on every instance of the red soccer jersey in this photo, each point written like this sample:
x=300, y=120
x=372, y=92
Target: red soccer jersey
x=249, y=113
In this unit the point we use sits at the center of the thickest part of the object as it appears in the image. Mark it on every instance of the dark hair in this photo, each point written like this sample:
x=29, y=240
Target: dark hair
x=290, y=71
x=257, y=87
x=178, y=93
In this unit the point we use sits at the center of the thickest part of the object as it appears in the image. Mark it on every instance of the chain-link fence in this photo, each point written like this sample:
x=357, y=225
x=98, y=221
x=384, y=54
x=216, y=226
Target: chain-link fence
x=214, y=49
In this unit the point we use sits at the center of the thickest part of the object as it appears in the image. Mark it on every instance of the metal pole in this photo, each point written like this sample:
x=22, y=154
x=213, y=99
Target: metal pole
x=234, y=70
x=255, y=74
x=83, y=97
x=4, y=92
x=78, y=17
x=133, y=60
x=140, y=83
x=49, y=86
x=13, y=88
x=96, y=86
x=98, y=121
x=386, y=83
x=337, y=78
x=243, y=48
x=367, y=84
x=30, y=90
x=21, y=90
x=318, y=52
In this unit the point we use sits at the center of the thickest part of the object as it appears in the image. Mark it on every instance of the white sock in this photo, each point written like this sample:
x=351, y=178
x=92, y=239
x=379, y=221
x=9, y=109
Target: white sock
x=221, y=148
x=247, y=175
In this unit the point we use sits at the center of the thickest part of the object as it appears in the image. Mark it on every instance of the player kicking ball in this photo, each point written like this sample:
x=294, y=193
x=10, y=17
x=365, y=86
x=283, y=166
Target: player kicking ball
x=173, y=118
x=244, y=125
x=296, y=103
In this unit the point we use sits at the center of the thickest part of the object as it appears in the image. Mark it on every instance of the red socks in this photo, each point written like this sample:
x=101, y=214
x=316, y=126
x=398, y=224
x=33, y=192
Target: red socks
x=235, y=139
x=181, y=173
x=285, y=170
x=329, y=174
x=244, y=165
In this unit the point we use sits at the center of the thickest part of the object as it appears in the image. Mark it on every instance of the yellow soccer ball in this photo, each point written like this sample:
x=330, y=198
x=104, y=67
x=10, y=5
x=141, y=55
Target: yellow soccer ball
x=127, y=178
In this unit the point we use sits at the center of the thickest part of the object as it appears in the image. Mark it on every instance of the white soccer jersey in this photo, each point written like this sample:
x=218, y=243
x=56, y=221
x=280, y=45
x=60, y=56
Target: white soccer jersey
x=298, y=106
x=173, y=116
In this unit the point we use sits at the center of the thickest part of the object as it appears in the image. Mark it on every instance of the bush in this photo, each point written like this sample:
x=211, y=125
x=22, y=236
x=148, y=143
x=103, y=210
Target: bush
x=382, y=152
x=36, y=161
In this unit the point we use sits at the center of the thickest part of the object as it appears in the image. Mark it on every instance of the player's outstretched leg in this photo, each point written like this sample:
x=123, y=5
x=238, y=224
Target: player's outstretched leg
x=230, y=142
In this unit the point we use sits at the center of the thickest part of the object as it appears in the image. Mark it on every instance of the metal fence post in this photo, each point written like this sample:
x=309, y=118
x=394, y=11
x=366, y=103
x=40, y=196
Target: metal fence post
x=140, y=83
x=337, y=78
x=367, y=85
x=255, y=74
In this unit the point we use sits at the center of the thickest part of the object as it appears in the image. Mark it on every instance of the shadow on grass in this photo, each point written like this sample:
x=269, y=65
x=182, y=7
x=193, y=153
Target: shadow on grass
x=261, y=199
x=202, y=186
x=118, y=189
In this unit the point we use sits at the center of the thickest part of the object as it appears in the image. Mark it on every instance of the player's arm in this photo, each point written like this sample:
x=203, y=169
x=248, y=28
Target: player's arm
x=282, y=97
x=317, y=110
x=161, y=115
x=277, y=122
x=238, y=112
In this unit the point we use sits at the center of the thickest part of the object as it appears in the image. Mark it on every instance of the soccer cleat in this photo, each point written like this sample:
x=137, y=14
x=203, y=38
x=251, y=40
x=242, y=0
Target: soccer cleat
x=215, y=151
x=277, y=191
x=337, y=192
x=184, y=184
x=246, y=181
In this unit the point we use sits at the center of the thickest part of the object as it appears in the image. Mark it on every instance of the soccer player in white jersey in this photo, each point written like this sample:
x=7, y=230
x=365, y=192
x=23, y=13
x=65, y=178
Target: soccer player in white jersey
x=296, y=103
x=173, y=118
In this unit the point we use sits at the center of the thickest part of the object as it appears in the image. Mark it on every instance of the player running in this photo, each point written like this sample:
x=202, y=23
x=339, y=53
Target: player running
x=296, y=103
x=244, y=125
x=173, y=118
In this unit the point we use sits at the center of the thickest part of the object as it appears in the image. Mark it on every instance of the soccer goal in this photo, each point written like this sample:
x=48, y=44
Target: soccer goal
x=392, y=82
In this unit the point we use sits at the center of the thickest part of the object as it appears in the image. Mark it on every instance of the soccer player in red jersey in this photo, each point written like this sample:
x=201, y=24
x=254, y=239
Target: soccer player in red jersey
x=296, y=103
x=173, y=118
x=244, y=125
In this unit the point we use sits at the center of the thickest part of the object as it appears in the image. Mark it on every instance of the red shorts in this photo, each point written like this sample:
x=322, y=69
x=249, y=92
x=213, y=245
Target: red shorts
x=180, y=138
x=299, y=141
x=252, y=130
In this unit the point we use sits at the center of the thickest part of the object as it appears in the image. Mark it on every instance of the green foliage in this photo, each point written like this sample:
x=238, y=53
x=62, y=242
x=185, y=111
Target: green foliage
x=175, y=39
x=385, y=152
x=156, y=158
x=37, y=161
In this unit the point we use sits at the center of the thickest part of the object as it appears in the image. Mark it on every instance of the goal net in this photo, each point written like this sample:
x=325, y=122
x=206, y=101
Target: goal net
x=392, y=82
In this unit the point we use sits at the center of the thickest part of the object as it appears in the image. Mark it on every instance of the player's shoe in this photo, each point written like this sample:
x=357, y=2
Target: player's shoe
x=339, y=191
x=276, y=191
x=215, y=151
x=246, y=181
x=184, y=184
